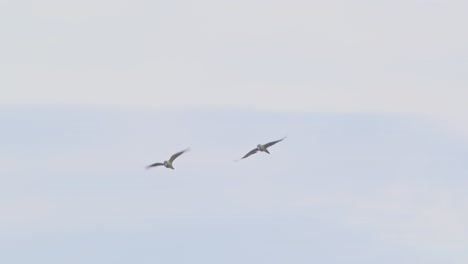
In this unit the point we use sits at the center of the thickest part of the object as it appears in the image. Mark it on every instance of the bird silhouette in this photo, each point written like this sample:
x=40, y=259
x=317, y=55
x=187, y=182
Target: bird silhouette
x=262, y=148
x=168, y=163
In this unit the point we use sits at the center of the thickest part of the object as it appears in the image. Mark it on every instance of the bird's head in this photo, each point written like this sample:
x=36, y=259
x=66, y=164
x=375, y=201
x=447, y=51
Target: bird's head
x=259, y=147
x=166, y=163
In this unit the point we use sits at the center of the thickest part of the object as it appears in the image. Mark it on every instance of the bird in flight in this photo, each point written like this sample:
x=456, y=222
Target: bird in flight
x=168, y=163
x=262, y=148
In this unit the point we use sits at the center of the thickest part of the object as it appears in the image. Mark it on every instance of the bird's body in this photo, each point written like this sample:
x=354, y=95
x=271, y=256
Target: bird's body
x=262, y=148
x=168, y=163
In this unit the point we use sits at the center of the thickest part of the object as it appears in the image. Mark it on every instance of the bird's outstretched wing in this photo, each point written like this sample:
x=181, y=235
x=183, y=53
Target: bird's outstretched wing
x=253, y=151
x=155, y=165
x=173, y=157
x=267, y=145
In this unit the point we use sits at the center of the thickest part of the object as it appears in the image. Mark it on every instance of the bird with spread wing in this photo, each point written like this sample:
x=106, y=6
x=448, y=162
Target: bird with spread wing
x=168, y=163
x=262, y=148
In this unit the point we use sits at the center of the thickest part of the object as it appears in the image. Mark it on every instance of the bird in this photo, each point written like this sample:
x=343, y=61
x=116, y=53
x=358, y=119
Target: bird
x=262, y=148
x=168, y=163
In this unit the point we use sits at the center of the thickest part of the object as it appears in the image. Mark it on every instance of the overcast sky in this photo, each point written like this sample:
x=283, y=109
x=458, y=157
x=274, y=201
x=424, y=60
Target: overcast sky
x=372, y=96
x=390, y=56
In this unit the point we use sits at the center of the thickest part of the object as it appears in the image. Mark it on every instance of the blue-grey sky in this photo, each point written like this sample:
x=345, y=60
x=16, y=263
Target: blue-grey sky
x=342, y=188
x=372, y=96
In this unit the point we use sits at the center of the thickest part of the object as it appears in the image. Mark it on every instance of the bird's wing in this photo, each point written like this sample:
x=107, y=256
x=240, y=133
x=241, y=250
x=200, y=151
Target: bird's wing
x=267, y=145
x=177, y=155
x=253, y=151
x=155, y=165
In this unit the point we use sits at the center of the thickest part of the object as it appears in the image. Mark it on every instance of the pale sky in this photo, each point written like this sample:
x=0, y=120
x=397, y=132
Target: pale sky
x=372, y=96
x=379, y=56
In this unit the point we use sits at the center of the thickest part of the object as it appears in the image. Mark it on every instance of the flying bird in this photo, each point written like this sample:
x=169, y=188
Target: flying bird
x=262, y=148
x=168, y=163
